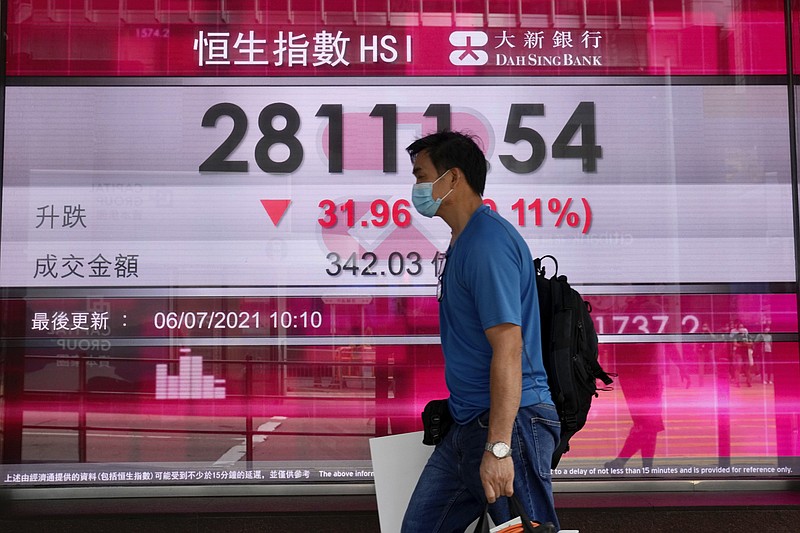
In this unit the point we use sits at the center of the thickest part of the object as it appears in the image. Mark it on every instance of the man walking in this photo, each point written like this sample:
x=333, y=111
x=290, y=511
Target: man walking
x=506, y=426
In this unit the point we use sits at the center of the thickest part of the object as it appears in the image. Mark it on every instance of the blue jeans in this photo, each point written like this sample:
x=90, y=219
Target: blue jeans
x=449, y=494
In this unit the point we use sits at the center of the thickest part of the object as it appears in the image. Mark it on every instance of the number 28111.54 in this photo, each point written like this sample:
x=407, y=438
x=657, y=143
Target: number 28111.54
x=285, y=134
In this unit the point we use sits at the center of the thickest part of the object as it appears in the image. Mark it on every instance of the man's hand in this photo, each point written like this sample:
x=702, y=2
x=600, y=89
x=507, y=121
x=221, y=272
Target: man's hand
x=497, y=476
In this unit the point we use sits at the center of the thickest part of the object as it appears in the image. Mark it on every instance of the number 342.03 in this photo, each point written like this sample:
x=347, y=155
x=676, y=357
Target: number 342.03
x=367, y=264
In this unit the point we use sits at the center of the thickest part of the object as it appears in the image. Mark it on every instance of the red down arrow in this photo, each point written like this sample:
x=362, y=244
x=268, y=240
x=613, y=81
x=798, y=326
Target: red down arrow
x=276, y=209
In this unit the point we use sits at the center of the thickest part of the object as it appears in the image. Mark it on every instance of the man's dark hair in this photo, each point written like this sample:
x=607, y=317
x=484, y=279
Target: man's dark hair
x=451, y=149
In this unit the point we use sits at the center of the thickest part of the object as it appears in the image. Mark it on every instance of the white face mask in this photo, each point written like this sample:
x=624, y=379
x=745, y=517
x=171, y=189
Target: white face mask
x=422, y=197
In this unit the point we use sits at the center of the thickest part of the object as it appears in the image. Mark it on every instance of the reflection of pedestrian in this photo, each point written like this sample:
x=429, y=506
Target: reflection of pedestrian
x=704, y=357
x=763, y=344
x=728, y=357
x=742, y=361
x=640, y=369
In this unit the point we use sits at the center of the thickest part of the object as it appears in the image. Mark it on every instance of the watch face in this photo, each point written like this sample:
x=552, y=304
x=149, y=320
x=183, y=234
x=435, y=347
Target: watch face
x=500, y=450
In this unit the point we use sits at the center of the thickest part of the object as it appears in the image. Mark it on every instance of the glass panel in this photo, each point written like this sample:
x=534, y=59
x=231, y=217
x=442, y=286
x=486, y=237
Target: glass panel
x=224, y=280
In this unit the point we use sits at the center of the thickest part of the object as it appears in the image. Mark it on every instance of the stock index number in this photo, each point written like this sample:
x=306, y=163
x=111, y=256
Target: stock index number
x=284, y=133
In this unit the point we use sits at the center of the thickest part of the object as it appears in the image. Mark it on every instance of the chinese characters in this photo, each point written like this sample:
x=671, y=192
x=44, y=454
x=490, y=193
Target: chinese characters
x=123, y=266
x=298, y=49
x=77, y=321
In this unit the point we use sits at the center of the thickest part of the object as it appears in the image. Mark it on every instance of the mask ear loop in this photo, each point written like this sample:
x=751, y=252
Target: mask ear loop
x=440, y=177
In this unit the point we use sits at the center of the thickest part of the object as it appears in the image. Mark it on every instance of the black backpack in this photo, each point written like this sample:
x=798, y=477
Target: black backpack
x=569, y=351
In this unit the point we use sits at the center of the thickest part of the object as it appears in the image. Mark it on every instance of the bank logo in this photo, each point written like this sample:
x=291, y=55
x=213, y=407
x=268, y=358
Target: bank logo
x=468, y=51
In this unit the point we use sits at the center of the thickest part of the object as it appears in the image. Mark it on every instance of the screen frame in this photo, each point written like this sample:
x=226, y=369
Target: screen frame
x=366, y=488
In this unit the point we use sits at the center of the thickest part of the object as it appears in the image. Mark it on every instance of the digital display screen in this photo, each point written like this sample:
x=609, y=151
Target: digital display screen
x=212, y=271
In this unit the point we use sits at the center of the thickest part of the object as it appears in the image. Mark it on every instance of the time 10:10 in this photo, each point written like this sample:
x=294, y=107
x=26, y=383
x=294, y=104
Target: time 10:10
x=289, y=320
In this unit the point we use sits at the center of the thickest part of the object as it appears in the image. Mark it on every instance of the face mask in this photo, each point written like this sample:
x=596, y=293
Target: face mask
x=422, y=197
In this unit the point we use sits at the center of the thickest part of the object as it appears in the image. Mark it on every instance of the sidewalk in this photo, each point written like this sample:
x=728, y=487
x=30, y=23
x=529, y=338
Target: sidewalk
x=589, y=513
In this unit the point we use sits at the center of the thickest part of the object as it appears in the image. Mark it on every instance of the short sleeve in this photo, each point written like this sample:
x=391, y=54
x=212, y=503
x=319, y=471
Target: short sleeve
x=494, y=279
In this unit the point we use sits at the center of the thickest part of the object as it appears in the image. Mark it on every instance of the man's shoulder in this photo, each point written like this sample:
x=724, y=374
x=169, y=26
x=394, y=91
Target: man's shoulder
x=490, y=225
x=493, y=245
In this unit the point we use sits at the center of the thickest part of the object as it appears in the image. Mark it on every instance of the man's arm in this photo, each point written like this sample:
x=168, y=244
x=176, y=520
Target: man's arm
x=497, y=475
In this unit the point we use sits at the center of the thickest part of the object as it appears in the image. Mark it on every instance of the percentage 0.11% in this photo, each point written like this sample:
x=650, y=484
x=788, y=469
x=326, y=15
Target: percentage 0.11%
x=562, y=212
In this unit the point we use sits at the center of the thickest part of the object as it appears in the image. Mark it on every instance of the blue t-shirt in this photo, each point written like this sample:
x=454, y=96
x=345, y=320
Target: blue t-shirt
x=488, y=280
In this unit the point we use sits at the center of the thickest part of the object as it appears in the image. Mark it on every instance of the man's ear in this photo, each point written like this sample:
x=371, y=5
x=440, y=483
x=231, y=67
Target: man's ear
x=458, y=175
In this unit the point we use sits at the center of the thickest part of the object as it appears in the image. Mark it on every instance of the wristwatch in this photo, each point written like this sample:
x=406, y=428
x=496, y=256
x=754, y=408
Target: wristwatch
x=499, y=449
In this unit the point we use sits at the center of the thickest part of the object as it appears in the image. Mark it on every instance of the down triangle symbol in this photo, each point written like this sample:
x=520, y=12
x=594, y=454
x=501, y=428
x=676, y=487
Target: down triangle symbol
x=276, y=209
